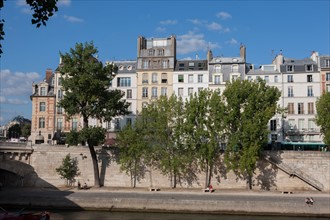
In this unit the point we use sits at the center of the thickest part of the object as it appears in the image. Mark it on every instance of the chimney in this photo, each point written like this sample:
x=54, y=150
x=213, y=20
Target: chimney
x=209, y=55
x=49, y=73
x=242, y=52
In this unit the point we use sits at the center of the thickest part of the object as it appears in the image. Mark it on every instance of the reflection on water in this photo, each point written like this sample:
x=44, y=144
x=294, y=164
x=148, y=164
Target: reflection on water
x=95, y=215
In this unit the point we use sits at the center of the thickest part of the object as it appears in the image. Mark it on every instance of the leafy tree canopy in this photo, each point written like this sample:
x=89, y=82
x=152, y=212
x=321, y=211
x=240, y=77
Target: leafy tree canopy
x=323, y=116
x=68, y=169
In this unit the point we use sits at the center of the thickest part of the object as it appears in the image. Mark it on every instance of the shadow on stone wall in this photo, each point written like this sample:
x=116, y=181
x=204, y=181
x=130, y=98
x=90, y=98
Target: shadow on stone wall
x=266, y=179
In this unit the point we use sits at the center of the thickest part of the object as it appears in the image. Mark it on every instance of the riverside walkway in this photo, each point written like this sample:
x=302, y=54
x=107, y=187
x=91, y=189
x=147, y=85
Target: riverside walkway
x=169, y=200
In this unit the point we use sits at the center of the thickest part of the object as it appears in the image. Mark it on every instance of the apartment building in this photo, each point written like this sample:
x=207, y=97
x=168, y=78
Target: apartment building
x=226, y=69
x=299, y=83
x=155, y=65
x=189, y=77
x=126, y=81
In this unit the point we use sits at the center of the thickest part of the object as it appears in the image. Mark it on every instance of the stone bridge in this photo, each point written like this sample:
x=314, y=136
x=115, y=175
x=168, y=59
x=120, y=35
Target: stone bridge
x=34, y=165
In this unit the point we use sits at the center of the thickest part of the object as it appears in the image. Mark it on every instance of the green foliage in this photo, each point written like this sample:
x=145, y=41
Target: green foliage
x=42, y=11
x=86, y=82
x=72, y=138
x=133, y=151
x=323, y=117
x=26, y=130
x=204, y=129
x=68, y=169
x=14, y=131
x=249, y=107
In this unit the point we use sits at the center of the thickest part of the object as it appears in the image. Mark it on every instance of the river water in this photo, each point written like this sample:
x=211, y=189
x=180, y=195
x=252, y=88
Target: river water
x=96, y=215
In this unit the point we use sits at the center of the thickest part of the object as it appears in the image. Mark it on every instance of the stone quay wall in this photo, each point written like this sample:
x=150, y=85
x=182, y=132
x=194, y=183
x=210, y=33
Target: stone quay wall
x=45, y=159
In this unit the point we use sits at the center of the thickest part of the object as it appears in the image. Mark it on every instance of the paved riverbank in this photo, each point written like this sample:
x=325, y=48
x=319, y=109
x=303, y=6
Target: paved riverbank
x=170, y=200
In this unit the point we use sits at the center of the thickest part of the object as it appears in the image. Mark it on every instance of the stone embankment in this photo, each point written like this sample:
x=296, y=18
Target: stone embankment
x=170, y=200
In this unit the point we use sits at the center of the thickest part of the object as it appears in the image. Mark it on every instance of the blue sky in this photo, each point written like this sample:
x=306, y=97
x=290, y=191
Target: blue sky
x=265, y=27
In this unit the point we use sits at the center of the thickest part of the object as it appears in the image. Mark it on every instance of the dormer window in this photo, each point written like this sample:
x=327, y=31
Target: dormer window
x=309, y=68
x=43, y=91
x=289, y=68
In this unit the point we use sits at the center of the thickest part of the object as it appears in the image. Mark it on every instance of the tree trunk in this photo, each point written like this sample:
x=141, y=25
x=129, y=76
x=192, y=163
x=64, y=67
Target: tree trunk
x=95, y=166
x=206, y=174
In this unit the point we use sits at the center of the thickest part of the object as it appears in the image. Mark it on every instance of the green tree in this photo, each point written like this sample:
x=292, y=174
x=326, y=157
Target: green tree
x=249, y=107
x=86, y=84
x=323, y=117
x=14, y=131
x=204, y=129
x=26, y=130
x=68, y=169
x=42, y=11
x=133, y=151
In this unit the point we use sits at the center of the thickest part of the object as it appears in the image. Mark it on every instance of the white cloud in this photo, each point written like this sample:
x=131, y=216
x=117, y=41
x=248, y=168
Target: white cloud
x=224, y=15
x=192, y=42
x=168, y=22
x=73, y=19
x=232, y=41
x=21, y=3
x=64, y=2
x=214, y=26
x=160, y=29
x=16, y=87
x=196, y=21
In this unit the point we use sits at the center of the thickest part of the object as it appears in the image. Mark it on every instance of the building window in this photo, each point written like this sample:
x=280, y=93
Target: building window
x=234, y=77
x=181, y=66
x=327, y=63
x=164, y=77
x=43, y=91
x=59, y=82
x=191, y=65
x=129, y=108
x=151, y=52
x=128, y=93
x=145, y=78
x=154, y=78
x=190, y=91
x=249, y=78
x=128, y=121
x=42, y=122
x=145, y=92
x=309, y=78
x=234, y=68
x=124, y=82
x=290, y=91
x=327, y=76
x=292, y=123
x=310, y=91
x=161, y=52
x=165, y=64
x=117, y=124
x=217, y=69
x=274, y=137
x=74, y=124
x=180, y=79
x=59, y=124
x=273, y=124
x=59, y=94
x=145, y=64
x=217, y=80
x=300, y=108
x=311, y=108
x=108, y=125
x=276, y=79
x=289, y=68
x=59, y=110
x=311, y=125
x=267, y=79
x=309, y=68
x=327, y=87
x=42, y=106
x=301, y=124
x=200, y=78
x=180, y=91
x=290, y=108
x=164, y=91
x=154, y=92
x=190, y=78
x=290, y=78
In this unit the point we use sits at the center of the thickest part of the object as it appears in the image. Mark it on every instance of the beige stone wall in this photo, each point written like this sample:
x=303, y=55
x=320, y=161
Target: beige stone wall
x=46, y=158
